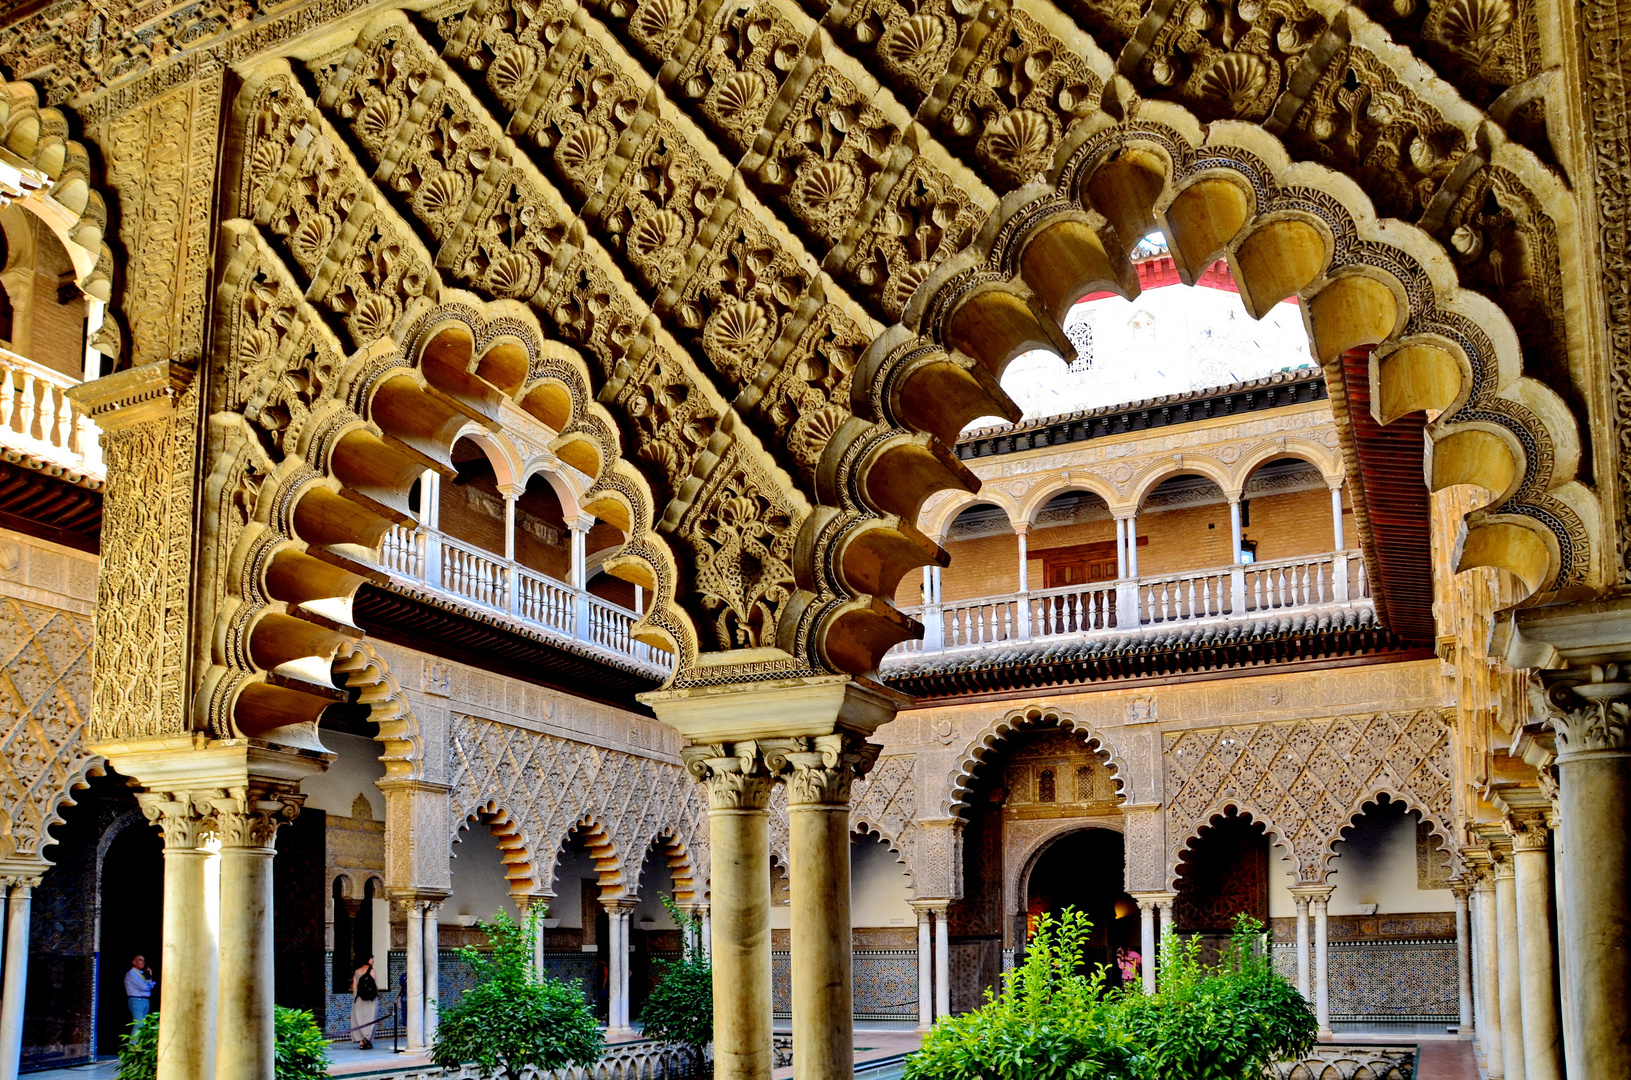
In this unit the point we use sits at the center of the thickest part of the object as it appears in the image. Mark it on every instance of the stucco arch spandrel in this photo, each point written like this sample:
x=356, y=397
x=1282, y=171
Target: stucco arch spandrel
x=1320, y=456
x=1080, y=479
x=1379, y=289
x=937, y=522
x=1030, y=717
x=364, y=672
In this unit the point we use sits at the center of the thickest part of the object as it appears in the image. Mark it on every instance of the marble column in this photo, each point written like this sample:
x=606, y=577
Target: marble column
x=1463, y=955
x=1163, y=907
x=191, y=934
x=820, y=773
x=1322, y=962
x=942, y=961
x=1146, y=940
x=739, y=842
x=707, y=932
x=1589, y=713
x=1234, y=528
x=1303, y=987
x=925, y=971
x=415, y=966
x=1532, y=881
x=1121, y=547
x=15, y=983
x=618, y=915
x=247, y=821
x=433, y=970
x=1510, y=969
x=1339, y=542
x=1488, y=999
x=1132, y=545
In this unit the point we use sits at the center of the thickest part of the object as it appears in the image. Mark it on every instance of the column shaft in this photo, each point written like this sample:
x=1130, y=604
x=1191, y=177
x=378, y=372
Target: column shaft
x=1488, y=1002
x=1132, y=545
x=433, y=971
x=1121, y=547
x=925, y=971
x=1595, y=797
x=15, y=984
x=942, y=963
x=416, y=976
x=1532, y=873
x=1322, y=968
x=823, y=1013
x=246, y=1041
x=1339, y=542
x=1510, y=972
x=739, y=839
x=1463, y=957
x=1146, y=939
x=1303, y=986
x=1234, y=530
x=190, y=950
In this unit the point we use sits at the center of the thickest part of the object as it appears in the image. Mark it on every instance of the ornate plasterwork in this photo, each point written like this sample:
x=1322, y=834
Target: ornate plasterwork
x=540, y=788
x=1032, y=717
x=1306, y=781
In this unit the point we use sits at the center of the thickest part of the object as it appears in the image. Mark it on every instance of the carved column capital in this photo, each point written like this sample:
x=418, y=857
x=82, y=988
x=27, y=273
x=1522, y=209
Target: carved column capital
x=1461, y=890
x=249, y=816
x=734, y=773
x=1528, y=830
x=820, y=771
x=20, y=881
x=1589, y=708
x=185, y=818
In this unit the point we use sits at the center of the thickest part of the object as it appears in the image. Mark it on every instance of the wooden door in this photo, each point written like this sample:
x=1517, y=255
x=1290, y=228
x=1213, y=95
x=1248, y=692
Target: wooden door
x=1079, y=565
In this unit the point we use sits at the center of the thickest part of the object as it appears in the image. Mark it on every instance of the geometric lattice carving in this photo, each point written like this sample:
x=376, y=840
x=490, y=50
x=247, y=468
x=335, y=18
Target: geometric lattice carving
x=45, y=684
x=546, y=786
x=884, y=801
x=1307, y=780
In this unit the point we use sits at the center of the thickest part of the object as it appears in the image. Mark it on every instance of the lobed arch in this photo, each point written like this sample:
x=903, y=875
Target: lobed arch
x=1030, y=717
x=609, y=869
x=1074, y=479
x=364, y=672
x=1437, y=825
x=1155, y=473
x=1230, y=190
x=309, y=526
x=686, y=889
x=1278, y=840
x=895, y=843
x=14, y=843
x=515, y=848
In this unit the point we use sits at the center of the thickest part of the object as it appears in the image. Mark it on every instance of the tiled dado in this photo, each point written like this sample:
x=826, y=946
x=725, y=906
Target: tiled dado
x=1410, y=925
x=1392, y=980
x=884, y=981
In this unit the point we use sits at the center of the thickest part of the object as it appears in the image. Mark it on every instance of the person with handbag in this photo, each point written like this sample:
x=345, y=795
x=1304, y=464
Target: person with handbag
x=364, y=1005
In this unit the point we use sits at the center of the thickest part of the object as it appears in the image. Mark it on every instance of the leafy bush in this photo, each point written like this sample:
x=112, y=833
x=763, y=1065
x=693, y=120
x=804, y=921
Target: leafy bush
x=1054, y=1022
x=680, y=1008
x=512, y=1018
x=302, y=1052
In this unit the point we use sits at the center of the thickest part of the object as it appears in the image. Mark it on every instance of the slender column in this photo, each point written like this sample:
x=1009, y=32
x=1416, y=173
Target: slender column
x=1146, y=940
x=1339, y=541
x=509, y=493
x=191, y=914
x=1560, y=911
x=433, y=970
x=1488, y=1003
x=430, y=514
x=925, y=971
x=580, y=571
x=1132, y=545
x=416, y=974
x=247, y=821
x=707, y=932
x=1532, y=887
x=1322, y=964
x=1303, y=987
x=1510, y=967
x=942, y=961
x=820, y=774
x=618, y=914
x=739, y=842
x=1023, y=628
x=1234, y=530
x=1121, y=547
x=1463, y=954
x=18, y=906
x=1165, y=906
x=1594, y=801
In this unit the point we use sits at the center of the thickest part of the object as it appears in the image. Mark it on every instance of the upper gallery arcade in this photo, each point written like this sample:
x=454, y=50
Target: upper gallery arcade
x=712, y=291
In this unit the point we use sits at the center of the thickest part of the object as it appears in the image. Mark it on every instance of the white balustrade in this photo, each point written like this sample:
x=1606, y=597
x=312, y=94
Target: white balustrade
x=37, y=418
x=1227, y=592
x=534, y=599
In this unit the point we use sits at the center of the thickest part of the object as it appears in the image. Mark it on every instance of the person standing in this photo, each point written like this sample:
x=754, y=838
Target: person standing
x=364, y=1005
x=139, y=983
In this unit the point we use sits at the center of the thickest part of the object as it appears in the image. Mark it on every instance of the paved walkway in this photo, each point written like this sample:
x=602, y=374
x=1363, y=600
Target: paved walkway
x=1443, y=1057
x=872, y=1045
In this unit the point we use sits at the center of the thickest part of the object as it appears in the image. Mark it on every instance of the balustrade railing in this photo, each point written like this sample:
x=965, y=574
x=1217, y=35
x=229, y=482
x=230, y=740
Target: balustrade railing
x=452, y=567
x=1215, y=593
x=37, y=418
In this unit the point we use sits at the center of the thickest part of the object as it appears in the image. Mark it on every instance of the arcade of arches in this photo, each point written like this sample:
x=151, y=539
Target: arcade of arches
x=849, y=467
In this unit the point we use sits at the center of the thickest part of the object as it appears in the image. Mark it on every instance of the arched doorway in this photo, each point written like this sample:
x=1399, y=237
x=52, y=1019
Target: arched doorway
x=1223, y=875
x=1084, y=870
x=132, y=902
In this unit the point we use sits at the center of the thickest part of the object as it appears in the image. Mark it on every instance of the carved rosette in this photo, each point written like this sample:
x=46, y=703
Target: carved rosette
x=821, y=771
x=735, y=774
x=1590, y=710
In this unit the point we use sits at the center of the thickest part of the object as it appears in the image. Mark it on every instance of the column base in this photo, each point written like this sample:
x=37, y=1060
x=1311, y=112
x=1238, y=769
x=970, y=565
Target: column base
x=621, y=1034
x=1326, y=1034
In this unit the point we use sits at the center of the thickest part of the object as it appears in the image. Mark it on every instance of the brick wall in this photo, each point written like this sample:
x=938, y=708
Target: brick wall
x=466, y=510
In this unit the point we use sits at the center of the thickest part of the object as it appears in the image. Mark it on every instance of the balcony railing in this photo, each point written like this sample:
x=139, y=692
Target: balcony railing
x=440, y=564
x=37, y=419
x=1229, y=592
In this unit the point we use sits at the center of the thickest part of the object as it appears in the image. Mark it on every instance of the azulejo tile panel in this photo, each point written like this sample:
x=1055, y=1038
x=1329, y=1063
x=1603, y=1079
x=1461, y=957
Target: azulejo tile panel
x=1399, y=980
x=884, y=980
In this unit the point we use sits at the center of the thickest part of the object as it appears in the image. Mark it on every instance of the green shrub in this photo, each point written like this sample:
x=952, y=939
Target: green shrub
x=680, y=1008
x=302, y=1052
x=1052, y=1021
x=511, y=1018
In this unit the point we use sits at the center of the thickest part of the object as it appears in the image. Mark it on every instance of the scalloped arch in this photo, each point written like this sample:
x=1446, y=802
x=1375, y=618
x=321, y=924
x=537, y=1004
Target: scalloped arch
x=365, y=671
x=515, y=848
x=1027, y=718
x=1230, y=191
x=1277, y=837
x=1440, y=829
x=603, y=850
x=680, y=867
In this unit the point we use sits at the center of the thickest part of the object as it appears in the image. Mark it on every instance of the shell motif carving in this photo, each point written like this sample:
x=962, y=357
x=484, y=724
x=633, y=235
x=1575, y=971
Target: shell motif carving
x=512, y=74
x=378, y=121
x=658, y=239
x=735, y=331
x=514, y=275
x=1018, y=144
x=658, y=20
x=1238, y=78
x=442, y=196
x=740, y=95
x=913, y=44
x=827, y=193
x=1472, y=27
x=582, y=150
